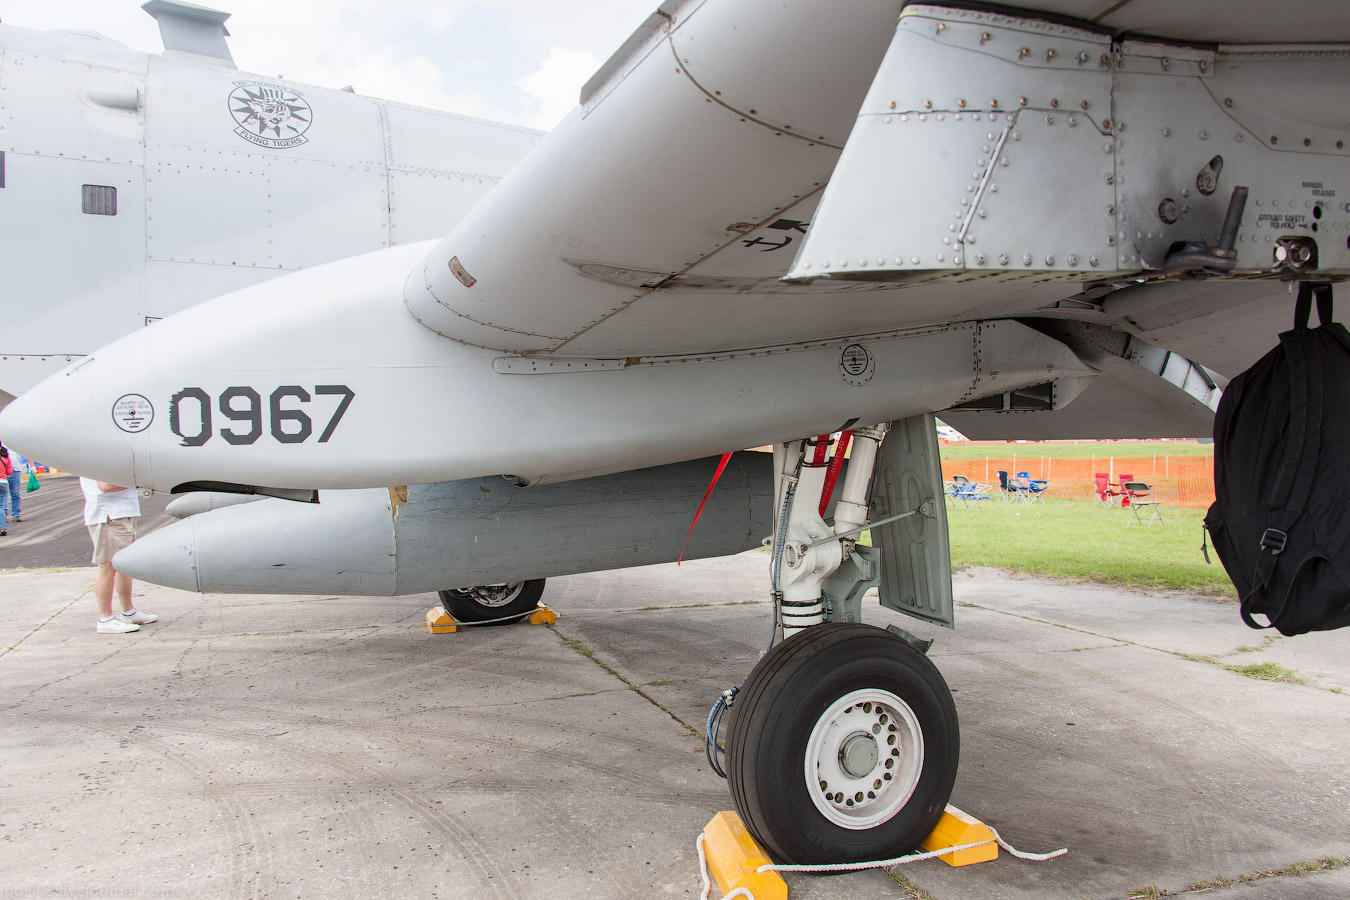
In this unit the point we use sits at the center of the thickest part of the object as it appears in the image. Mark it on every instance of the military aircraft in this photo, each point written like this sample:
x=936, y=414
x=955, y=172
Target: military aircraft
x=135, y=185
x=765, y=222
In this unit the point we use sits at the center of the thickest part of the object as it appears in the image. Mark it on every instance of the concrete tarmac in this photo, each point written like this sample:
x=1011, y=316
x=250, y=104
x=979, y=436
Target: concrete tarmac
x=270, y=746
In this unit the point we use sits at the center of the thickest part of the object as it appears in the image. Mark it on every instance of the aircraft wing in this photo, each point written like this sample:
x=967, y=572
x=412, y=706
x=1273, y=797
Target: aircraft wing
x=660, y=219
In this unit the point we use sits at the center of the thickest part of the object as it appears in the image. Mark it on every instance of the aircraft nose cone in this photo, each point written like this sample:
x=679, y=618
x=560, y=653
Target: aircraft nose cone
x=167, y=556
x=57, y=423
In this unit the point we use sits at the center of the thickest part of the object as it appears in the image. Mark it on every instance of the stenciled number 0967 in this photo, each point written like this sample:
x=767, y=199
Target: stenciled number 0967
x=286, y=412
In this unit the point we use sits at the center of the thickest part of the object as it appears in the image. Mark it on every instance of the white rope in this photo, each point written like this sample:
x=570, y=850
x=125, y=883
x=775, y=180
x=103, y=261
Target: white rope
x=877, y=864
x=510, y=618
x=918, y=857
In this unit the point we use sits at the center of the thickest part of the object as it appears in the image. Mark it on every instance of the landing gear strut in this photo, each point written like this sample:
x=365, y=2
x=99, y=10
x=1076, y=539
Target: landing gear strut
x=843, y=741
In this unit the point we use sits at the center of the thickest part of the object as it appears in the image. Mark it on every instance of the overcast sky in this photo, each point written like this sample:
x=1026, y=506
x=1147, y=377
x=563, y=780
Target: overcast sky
x=520, y=61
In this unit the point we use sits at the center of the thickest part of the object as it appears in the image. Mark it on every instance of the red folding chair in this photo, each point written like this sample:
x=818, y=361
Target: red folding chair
x=1106, y=490
x=1125, y=496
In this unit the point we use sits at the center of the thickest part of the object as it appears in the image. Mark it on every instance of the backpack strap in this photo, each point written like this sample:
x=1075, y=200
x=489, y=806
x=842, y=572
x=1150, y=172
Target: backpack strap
x=1303, y=305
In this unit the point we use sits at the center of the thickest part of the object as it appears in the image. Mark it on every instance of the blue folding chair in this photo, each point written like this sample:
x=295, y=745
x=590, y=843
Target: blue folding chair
x=965, y=490
x=1012, y=491
x=1032, y=488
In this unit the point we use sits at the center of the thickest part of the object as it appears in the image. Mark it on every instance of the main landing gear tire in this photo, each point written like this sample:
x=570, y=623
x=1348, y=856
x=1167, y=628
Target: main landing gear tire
x=843, y=746
x=485, y=602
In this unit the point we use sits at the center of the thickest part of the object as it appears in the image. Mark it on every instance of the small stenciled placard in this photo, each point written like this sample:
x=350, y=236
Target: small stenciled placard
x=133, y=413
x=857, y=364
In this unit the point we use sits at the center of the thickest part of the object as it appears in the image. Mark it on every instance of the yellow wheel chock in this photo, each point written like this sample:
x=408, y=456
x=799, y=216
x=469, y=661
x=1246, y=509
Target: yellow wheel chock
x=440, y=622
x=734, y=858
x=956, y=829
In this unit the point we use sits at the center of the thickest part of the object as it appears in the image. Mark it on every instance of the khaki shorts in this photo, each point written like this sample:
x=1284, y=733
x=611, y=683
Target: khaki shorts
x=111, y=536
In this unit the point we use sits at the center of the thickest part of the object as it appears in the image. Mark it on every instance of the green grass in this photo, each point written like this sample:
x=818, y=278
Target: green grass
x=1082, y=540
x=1267, y=671
x=1081, y=450
x=1300, y=869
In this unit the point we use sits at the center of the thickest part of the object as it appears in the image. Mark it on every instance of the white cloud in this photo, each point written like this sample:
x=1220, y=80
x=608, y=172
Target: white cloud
x=551, y=90
x=405, y=50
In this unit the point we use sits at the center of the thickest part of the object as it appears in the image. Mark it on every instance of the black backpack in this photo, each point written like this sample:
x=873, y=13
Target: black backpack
x=1281, y=520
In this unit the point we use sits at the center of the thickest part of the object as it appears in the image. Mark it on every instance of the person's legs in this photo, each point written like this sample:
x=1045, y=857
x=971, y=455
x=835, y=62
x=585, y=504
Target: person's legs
x=15, y=494
x=123, y=583
x=4, y=503
x=103, y=589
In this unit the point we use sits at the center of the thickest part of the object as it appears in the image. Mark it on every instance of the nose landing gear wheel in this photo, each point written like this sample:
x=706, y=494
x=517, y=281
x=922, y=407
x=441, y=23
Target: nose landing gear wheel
x=493, y=601
x=843, y=746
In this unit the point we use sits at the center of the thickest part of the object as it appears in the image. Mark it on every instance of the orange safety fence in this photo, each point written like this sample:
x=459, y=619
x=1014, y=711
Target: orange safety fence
x=1175, y=480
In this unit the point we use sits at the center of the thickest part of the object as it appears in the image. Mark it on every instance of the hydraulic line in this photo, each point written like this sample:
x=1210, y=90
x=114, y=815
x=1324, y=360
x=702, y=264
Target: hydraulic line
x=712, y=748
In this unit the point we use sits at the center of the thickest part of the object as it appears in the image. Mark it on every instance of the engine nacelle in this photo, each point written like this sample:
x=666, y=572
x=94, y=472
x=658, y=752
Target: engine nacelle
x=453, y=534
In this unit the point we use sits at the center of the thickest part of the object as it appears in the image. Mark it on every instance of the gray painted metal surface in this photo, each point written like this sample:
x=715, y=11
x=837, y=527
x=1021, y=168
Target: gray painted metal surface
x=1112, y=151
x=204, y=501
x=479, y=531
x=916, y=565
x=209, y=199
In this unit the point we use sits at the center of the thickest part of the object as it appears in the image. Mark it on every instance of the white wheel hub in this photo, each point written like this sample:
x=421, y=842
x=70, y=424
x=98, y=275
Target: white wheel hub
x=863, y=758
x=495, y=595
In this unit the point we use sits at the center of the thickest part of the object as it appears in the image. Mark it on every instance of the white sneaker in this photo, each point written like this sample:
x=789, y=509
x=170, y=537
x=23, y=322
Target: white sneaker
x=140, y=618
x=117, y=625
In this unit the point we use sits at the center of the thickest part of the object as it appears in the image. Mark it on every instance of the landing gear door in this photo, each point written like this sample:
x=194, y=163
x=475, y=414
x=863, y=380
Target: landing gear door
x=916, y=567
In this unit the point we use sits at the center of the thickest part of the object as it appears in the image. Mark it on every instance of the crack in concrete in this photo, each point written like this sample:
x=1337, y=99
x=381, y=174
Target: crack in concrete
x=15, y=646
x=583, y=649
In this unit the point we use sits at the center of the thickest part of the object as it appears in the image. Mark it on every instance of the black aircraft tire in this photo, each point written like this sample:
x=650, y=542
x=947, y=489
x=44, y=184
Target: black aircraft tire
x=486, y=602
x=793, y=704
